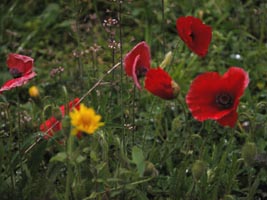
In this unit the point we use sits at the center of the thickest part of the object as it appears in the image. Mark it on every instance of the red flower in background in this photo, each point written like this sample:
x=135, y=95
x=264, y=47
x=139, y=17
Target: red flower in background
x=195, y=34
x=48, y=124
x=159, y=83
x=20, y=67
x=216, y=97
x=46, y=127
x=137, y=62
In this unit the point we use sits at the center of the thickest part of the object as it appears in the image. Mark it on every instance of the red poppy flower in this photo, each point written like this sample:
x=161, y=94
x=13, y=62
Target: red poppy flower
x=159, y=83
x=195, y=34
x=216, y=97
x=137, y=62
x=20, y=67
x=46, y=127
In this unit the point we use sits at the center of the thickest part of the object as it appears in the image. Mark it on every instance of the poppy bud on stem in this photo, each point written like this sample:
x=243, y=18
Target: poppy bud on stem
x=167, y=60
x=249, y=151
x=198, y=169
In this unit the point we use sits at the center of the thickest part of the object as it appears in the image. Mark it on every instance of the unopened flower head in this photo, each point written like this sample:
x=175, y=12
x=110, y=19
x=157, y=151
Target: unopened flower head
x=34, y=92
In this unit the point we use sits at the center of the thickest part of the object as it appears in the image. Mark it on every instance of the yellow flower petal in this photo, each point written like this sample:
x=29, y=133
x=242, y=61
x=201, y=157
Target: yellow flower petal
x=85, y=120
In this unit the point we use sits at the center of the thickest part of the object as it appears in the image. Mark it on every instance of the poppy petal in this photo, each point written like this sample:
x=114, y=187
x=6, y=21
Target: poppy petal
x=201, y=97
x=48, y=124
x=212, y=96
x=71, y=104
x=22, y=63
x=196, y=35
x=141, y=49
x=235, y=80
x=137, y=58
x=17, y=82
x=229, y=120
x=56, y=124
x=159, y=83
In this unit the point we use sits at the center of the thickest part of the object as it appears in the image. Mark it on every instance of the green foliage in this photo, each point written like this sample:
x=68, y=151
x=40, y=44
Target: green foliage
x=149, y=148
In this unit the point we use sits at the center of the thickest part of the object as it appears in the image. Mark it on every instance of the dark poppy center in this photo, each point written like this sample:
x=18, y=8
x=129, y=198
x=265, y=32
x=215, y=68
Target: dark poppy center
x=224, y=100
x=15, y=73
x=141, y=72
x=192, y=35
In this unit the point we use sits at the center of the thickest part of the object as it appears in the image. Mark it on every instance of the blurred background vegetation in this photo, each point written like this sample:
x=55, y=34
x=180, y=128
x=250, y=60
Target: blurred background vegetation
x=149, y=148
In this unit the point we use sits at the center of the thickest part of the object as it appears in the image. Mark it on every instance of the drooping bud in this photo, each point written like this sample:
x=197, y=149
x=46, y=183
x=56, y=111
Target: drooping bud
x=198, y=169
x=167, y=60
x=249, y=152
x=150, y=169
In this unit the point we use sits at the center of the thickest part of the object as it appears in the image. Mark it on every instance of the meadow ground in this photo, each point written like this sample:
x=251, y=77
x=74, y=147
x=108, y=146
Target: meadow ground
x=148, y=147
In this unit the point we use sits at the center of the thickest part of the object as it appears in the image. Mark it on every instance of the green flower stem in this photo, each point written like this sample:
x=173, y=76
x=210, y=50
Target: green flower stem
x=133, y=114
x=10, y=150
x=69, y=167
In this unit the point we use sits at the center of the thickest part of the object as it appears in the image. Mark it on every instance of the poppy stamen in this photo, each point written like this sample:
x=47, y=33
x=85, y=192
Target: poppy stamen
x=15, y=72
x=224, y=100
x=141, y=72
x=192, y=35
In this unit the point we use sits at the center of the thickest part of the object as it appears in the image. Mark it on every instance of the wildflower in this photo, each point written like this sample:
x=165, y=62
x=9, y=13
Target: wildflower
x=53, y=124
x=34, y=92
x=56, y=71
x=85, y=120
x=159, y=83
x=196, y=35
x=50, y=126
x=20, y=67
x=216, y=97
x=137, y=62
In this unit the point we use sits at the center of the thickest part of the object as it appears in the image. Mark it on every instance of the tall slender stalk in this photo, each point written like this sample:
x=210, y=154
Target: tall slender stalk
x=133, y=114
x=69, y=167
x=10, y=151
x=163, y=26
x=121, y=74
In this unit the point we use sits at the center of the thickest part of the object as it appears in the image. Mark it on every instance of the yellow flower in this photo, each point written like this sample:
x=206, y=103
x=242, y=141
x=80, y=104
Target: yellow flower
x=85, y=120
x=33, y=92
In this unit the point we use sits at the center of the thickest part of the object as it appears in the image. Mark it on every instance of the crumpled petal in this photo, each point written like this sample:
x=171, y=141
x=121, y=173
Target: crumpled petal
x=17, y=82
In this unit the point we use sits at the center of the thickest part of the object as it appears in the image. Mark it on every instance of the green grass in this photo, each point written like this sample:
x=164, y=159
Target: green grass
x=148, y=146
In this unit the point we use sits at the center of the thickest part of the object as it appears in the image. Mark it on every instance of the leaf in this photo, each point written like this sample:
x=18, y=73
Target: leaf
x=80, y=159
x=59, y=157
x=138, y=159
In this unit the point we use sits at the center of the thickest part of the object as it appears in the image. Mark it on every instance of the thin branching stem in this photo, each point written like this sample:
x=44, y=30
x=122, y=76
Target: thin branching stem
x=81, y=99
